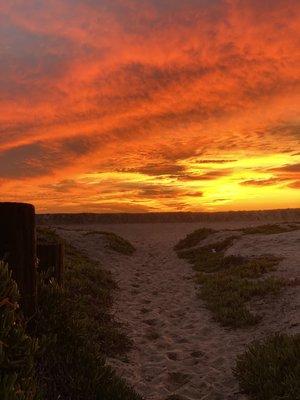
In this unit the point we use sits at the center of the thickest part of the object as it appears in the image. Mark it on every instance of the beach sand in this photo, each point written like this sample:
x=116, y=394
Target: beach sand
x=177, y=346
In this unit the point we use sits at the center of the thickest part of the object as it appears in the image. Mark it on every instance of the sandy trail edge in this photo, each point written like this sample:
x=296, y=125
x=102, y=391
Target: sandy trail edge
x=178, y=348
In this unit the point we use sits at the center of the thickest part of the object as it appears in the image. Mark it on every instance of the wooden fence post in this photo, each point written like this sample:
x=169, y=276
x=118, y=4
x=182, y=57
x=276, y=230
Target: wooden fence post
x=51, y=255
x=18, y=249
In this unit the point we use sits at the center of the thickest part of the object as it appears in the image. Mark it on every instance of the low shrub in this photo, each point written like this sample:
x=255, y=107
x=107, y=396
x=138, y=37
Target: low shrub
x=81, y=333
x=228, y=283
x=17, y=349
x=73, y=363
x=210, y=258
x=269, y=229
x=226, y=295
x=254, y=268
x=270, y=369
x=193, y=239
x=115, y=242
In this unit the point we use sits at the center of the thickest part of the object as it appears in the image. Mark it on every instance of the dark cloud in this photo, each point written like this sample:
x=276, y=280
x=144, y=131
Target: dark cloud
x=290, y=168
x=144, y=17
x=294, y=185
x=216, y=161
x=159, y=191
x=207, y=176
x=63, y=186
x=80, y=145
x=27, y=161
x=166, y=192
x=29, y=62
x=105, y=207
x=285, y=130
x=262, y=182
x=136, y=81
x=131, y=130
x=194, y=194
x=157, y=169
x=220, y=200
x=40, y=159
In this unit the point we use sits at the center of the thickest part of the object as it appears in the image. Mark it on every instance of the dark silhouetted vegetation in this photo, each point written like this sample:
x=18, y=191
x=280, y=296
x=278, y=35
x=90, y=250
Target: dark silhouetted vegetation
x=75, y=331
x=17, y=350
x=77, y=322
x=270, y=369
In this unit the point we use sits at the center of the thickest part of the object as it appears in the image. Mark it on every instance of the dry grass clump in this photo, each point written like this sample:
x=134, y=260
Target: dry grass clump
x=115, y=242
x=270, y=370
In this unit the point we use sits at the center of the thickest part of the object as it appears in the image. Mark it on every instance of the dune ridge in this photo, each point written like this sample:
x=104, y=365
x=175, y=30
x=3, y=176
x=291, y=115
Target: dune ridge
x=291, y=214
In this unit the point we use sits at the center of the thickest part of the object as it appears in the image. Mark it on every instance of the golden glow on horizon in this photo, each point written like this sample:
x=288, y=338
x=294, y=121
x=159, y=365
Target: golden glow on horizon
x=226, y=192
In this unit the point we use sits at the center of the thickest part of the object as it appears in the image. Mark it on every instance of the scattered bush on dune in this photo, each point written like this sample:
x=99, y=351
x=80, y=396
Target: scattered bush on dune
x=269, y=229
x=228, y=283
x=226, y=295
x=194, y=238
x=254, y=268
x=115, y=242
x=270, y=369
x=209, y=258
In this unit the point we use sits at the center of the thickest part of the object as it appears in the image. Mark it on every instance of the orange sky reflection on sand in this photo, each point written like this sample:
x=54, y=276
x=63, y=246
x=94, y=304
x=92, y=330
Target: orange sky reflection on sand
x=146, y=105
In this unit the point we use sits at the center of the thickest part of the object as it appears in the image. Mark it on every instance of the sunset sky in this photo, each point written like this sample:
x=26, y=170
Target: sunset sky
x=150, y=105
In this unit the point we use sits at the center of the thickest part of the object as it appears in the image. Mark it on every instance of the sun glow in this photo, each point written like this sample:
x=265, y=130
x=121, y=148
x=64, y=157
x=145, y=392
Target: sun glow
x=233, y=182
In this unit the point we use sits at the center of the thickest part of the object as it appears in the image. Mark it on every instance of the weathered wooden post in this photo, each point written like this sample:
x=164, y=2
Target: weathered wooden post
x=18, y=249
x=51, y=256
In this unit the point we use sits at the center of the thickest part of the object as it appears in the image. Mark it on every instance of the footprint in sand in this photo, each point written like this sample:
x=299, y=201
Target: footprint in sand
x=177, y=380
x=172, y=355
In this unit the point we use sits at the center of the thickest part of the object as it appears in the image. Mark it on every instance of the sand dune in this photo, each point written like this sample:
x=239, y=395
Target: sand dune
x=178, y=348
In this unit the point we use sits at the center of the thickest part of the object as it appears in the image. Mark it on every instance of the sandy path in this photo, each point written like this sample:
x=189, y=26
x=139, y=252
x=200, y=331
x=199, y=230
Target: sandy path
x=178, y=348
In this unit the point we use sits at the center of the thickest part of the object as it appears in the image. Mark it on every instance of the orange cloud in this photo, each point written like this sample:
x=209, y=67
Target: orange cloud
x=160, y=93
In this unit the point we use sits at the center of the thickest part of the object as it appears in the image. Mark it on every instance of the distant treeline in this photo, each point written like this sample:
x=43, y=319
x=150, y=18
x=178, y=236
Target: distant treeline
x=157, y=217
